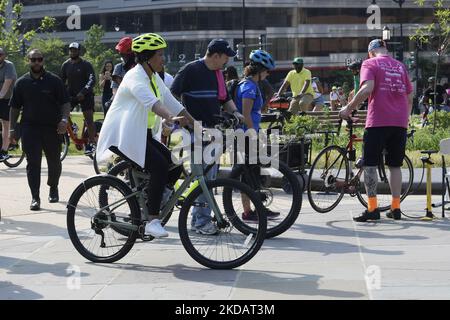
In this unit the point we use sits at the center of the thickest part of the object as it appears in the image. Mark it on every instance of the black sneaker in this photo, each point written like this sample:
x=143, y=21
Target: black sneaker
x=4, y=155
x=395, y=214
x=272, y=215
x=366, y=215
x=89, y=149
x=250, y=216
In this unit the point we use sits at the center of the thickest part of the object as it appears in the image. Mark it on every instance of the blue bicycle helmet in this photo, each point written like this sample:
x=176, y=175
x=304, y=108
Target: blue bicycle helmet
x=263, y=58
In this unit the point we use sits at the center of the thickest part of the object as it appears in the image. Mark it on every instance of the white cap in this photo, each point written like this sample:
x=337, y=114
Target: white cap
x=75, y=45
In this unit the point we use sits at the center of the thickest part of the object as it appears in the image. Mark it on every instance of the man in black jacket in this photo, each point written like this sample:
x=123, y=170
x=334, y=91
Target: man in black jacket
x=79, y=77
x=44, y=103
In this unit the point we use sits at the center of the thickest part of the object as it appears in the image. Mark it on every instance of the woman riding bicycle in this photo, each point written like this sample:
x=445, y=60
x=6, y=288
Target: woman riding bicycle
x=124, y=129
x=249, y=101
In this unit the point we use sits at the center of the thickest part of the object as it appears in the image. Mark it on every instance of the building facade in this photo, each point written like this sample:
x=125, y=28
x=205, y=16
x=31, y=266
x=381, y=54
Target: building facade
x=327, y=34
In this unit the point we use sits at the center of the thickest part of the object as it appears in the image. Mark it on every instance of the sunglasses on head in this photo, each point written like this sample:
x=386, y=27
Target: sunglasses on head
x=40, y=59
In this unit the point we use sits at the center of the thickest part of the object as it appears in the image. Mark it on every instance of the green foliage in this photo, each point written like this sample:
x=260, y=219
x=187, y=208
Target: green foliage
x=96, y=52
x=53, y=50
x=424, y=139
x=301, y=125
x=12, y=38
x=442, y=119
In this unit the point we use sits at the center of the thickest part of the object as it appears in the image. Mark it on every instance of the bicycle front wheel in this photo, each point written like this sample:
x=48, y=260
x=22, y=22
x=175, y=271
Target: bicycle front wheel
x=383, y=189
x=91, y=230
x=328, y=178
x=235, y=242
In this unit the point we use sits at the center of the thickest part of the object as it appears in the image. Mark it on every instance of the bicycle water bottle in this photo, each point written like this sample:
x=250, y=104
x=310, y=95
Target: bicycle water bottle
x=75, y=128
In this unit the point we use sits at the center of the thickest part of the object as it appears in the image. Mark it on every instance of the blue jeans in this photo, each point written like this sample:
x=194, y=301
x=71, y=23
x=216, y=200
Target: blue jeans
x=201, y=215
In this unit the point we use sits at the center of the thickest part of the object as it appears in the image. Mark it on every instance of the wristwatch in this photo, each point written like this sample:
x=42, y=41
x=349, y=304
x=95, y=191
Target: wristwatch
x=64, y=120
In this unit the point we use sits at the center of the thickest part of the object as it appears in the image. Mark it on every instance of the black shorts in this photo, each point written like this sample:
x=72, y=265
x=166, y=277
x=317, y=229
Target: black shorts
x=4, y=109
x=392, y=139
x=87, y=104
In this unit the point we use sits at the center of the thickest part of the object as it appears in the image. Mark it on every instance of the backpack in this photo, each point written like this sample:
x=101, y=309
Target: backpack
x=232, y=88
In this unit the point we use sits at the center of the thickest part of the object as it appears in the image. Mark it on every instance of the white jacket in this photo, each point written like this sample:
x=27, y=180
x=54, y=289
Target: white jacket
x=125, y=124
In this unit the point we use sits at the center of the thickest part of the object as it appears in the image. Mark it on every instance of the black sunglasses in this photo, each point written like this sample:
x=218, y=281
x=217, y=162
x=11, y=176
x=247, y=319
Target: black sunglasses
x=40, y=59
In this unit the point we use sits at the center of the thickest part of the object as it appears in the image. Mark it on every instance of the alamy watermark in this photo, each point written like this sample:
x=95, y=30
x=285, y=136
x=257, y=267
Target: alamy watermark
x=207, y=145
x=374, y=20
x=373, y=277
x=74, y=280
x=73, y=22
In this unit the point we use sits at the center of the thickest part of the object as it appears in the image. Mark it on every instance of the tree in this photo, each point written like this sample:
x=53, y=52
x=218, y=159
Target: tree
x=13, y=38
x=96, y=52
x=53, y=50
x=436, y=35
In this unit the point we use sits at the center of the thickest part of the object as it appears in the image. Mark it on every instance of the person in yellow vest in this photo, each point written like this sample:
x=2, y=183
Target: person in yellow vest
x=299, y=80
x=124, y=131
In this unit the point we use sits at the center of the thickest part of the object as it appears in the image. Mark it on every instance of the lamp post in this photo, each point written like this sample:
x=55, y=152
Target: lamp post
x=116, y=25
x=243, y=33
x=400, y=4
x=138, y=25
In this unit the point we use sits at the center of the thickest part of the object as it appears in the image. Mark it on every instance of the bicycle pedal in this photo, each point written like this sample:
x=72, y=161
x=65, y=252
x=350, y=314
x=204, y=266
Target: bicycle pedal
x=142, y=235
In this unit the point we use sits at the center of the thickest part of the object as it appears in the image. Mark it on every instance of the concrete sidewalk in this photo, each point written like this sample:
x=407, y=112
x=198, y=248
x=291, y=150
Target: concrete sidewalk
x=323, y=256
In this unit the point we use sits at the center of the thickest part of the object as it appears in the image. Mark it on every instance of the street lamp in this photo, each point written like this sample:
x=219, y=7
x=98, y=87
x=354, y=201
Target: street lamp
x=386, y=33
x=243, y=33
x=116, y=25
x=400, y=4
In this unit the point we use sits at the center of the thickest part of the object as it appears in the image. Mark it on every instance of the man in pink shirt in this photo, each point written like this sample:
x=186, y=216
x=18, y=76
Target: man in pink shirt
x=385, y=82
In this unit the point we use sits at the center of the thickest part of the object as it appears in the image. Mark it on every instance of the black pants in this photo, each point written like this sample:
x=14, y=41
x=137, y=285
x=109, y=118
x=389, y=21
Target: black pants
x=158, y=161
x=34, y=141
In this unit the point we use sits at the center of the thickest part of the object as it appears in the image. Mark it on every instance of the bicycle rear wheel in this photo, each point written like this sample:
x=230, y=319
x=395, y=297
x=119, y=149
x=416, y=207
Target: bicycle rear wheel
x=274, y=196
x=91, y=232
x=236, y=242
x=327, y=180
x=383, y=189
x=16, y=155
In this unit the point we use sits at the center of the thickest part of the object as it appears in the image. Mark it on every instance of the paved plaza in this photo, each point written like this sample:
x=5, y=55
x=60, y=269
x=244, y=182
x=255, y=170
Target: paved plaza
x=323, y=256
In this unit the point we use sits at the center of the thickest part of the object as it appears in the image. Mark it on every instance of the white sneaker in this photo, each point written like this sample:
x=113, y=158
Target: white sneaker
x=155, y=229
x=208, y=229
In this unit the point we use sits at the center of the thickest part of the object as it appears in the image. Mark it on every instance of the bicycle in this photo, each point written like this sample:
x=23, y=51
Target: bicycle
x=328, y=183
x=79, y=141
x=116, y=209
x=284, y=197
x=264, y=185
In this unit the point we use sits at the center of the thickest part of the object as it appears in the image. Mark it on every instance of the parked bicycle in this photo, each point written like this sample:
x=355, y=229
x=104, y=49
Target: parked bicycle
x=105, y=216
x=16, y=155
x=79, y=139
x=335, y=172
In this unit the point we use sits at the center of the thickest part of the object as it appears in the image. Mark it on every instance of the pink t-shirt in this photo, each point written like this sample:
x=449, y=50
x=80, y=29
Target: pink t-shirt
x=388, y=102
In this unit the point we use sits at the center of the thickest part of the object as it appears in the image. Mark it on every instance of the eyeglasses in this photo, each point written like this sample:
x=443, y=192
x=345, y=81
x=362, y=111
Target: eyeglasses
x=40, y=59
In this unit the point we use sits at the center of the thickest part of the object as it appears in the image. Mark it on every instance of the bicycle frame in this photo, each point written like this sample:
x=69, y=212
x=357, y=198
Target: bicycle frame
x=195, y=178
x=79, y=142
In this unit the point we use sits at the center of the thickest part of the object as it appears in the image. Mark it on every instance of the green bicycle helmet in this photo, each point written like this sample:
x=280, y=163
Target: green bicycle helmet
x=148, y=42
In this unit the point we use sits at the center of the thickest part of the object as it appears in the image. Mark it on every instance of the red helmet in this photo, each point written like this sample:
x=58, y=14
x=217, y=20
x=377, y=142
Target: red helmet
x=124, y=45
